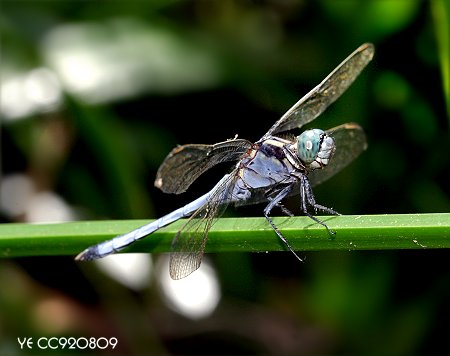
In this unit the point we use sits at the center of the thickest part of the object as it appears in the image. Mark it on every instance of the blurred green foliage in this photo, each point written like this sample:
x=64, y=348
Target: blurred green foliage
x=139, y=77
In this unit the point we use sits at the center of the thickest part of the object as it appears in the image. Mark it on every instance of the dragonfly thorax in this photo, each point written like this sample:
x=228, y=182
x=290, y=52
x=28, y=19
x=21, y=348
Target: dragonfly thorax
x=315, y=148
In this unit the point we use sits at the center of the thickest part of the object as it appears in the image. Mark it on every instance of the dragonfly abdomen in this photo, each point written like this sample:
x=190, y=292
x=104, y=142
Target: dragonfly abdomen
x=120, y=242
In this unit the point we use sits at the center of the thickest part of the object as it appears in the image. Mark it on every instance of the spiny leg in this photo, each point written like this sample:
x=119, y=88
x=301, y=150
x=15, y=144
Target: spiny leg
x=283, y=208
x=307, y=197
x=312, y=201
x=275, y=192
x=274, y=202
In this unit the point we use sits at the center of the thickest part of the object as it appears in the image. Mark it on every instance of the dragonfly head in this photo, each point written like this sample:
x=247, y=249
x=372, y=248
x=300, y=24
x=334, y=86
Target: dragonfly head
x=315, y=148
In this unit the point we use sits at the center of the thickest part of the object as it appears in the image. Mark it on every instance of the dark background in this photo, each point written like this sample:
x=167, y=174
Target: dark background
x=136, y=78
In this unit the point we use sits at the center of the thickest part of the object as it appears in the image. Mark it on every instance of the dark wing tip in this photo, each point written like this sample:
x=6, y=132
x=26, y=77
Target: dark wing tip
x=367, y=45
x=369, y=50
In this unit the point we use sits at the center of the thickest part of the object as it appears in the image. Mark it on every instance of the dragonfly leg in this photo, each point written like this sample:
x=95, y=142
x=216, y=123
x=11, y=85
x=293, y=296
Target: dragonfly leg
x=274, y=202
x=283, y=208
x=307, y=197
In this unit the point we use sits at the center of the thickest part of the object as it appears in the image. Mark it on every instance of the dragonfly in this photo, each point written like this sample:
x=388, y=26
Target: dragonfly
x=279, y=165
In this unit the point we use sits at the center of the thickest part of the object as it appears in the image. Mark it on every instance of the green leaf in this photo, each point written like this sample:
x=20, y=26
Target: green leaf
x=441, y=15
x=353, y=232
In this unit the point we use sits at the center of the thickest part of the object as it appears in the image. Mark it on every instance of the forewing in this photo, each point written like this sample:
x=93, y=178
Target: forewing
x=189, y=244
x=318, y=99
x=350, y=141
x=186, y=163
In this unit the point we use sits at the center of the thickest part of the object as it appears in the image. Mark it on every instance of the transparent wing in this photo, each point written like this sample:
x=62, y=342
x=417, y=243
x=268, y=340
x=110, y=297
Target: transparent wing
x=189, y=244
x=264, y=194
x=317, y=100
x=186, y=163
x=350, y=141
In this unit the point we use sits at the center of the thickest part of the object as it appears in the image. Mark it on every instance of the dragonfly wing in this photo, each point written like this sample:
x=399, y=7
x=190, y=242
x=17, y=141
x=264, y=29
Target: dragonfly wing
x=350, y=141
x=186, y=163
x=318, y=99
x=189, y=244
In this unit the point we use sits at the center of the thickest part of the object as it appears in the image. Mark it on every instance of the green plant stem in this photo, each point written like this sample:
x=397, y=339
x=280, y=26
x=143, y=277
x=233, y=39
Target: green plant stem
x=441, y=15
x=364, y=232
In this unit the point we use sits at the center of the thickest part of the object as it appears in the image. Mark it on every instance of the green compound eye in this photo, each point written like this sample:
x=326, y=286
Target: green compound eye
x=315, y=148
x=308, y=145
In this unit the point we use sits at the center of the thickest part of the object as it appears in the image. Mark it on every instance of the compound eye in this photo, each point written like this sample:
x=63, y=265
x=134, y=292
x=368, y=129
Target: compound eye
x=308, y=145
